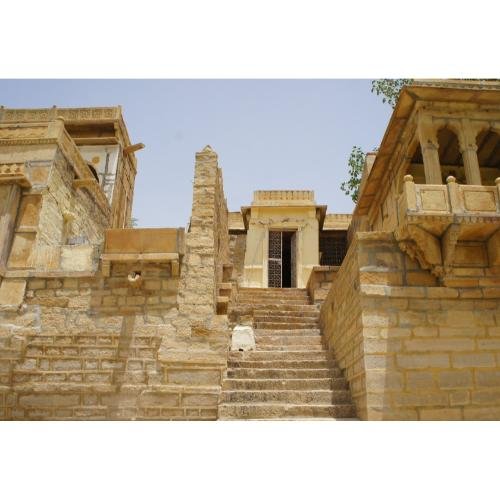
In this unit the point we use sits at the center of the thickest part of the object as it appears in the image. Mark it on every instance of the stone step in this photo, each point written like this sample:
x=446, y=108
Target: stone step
x=285, y=384
x=305, y=364
x=264, y=304
x=273, y=293
x=288, y=340
x=287, y=396
x=287, y=294
x=263, y=332
x=229, y=411
x=281, y=325
x=259, y=318
x=283, y=291
x=282, y=373
x=286, y=348
x=280, y=313
x=281, y=307
x=276, y=356
x=285, y=308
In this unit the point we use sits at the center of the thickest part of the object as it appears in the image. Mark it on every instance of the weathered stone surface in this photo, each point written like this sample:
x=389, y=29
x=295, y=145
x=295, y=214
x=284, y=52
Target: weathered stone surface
x=242, y=338
x=412, y=314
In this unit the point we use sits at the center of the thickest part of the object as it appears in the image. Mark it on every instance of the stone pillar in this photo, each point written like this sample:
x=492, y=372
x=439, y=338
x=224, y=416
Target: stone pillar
x=430, y=150
x=468, y=148
x=10, y=196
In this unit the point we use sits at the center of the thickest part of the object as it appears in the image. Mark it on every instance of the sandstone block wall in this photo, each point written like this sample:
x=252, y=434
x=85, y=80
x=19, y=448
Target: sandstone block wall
x=82, y=345
x=51, y=219
x=340, y=321
x=411, y=347
x=194, y=349
x=87, y=348
x=320, y=282
x=237, y=248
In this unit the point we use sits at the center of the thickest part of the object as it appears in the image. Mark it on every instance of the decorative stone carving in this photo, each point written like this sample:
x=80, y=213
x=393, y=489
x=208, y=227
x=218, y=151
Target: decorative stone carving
x=433, y=219
x=14, y=173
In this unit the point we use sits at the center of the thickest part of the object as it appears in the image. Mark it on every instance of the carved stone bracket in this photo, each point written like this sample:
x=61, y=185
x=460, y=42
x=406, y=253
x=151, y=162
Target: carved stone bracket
x=448, y=246
x=421, y=246
x=14, y=173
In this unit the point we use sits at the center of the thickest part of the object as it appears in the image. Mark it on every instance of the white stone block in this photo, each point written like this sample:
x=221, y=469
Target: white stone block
x=243, y=339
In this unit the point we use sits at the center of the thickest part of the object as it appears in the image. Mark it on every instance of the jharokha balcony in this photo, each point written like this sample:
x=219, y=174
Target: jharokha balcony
x=439, y=224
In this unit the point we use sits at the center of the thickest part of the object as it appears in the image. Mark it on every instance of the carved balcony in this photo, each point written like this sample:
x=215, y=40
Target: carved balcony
x=434, y=219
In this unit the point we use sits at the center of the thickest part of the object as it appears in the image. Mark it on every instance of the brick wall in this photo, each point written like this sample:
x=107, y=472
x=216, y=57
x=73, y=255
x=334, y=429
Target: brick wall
x=422, y=350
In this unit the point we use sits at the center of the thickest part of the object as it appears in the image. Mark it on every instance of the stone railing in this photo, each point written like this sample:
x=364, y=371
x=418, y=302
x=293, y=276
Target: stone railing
x=435, y=219
x=450, y=199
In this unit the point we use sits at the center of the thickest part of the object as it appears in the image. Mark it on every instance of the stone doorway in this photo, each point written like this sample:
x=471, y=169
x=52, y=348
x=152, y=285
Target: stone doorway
x=282, y=259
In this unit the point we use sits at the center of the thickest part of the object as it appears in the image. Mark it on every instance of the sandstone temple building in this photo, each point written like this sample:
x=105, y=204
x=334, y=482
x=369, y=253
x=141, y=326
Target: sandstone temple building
x=281, y=310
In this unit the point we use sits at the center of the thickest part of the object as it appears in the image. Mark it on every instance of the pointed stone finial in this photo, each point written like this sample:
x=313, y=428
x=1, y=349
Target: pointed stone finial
x=208, y=149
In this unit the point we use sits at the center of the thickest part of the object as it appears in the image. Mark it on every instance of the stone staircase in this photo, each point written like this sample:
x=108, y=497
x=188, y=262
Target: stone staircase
x=291, y=374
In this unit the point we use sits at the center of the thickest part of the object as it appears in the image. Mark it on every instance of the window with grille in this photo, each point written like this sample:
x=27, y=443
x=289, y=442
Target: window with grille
x=332, y=248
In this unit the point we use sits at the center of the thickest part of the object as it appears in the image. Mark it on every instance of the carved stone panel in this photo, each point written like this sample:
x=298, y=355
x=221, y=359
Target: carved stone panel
x=480, y=201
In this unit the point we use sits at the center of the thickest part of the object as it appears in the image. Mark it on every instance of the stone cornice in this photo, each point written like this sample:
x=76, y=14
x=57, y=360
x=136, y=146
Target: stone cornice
x=10, y=115
x=459, y=84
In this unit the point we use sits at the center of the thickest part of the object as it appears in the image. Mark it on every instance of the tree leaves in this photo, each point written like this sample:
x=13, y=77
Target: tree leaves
x=390, y=88
x=356, y=165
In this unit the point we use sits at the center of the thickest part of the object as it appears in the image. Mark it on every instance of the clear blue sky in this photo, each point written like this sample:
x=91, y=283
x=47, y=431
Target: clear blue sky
x=269, y=134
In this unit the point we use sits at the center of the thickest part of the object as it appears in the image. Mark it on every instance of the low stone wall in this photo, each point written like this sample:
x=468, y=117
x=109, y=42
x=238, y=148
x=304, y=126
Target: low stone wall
x=411, y=348
x=320, y=282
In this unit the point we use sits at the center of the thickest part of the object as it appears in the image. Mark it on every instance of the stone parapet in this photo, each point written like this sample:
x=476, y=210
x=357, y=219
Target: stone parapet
x=283, y=197
x=320, y=282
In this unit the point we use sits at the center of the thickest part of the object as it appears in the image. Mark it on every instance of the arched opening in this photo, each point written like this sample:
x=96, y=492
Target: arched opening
x=94, y=171
x=488, y=156
x=450, y=157
x=416, y=167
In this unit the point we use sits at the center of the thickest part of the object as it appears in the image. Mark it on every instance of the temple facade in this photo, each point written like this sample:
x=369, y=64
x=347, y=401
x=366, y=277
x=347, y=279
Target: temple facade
x=281, y=310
